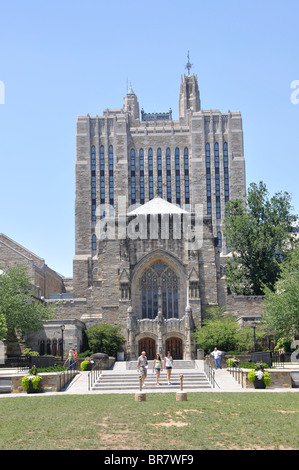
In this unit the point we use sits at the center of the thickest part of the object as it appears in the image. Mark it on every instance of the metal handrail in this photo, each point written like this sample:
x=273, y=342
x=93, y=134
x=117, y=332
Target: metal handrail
x=237, y=374
x=210, y=373
x=94, y=374
x=71, y=372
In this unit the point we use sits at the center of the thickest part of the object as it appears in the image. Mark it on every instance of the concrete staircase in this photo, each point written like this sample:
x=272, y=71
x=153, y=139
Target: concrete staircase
x=127, y=379
x=178, y=364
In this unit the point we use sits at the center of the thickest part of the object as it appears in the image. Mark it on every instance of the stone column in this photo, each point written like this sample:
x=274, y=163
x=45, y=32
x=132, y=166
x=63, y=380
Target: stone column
x=131, y=333
x=188, y=330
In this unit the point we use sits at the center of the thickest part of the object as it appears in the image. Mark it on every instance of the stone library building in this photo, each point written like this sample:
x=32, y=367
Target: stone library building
x=150, y=251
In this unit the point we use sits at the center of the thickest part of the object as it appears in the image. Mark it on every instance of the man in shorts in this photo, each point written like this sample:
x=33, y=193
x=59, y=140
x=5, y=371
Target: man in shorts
x=142, y=366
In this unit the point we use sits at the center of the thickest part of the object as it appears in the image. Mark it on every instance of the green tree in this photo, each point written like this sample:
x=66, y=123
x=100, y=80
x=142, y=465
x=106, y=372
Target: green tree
x=259, y=234
x=105, y=338
x=216, y=333
x=223, y=331
x=3, y=327
x=282, y=304
x=21, y=310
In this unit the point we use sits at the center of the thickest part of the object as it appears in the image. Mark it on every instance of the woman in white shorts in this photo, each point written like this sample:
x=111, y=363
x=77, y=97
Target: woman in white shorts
x=168, y=362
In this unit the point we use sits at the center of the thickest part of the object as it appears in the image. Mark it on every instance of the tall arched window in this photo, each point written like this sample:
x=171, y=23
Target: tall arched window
x=94, y=243
x=168, y=174
x=219, y=236
x=150, y=174
x=111, y=178
x=133, y=177
x=186, y=171
x=217, y=181
x=159, y=287
x=141, y=174
x=226, y=174
x=102, y=174
x=93, y=184
x=177, y=176
x=208, y=180
x=159, y=171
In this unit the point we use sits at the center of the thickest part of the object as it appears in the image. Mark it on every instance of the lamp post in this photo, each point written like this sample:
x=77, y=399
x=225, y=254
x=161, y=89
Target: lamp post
x=62, y=327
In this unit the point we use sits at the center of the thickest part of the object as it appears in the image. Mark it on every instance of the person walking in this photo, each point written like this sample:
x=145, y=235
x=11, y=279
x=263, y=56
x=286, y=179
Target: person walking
x=168, y=363
x=71, y=358
x=75, y=355
x=142, y=366
x=217, y=357
x=157, y=367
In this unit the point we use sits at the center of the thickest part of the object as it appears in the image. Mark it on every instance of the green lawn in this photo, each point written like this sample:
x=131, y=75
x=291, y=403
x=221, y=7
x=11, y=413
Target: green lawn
x=116, y=422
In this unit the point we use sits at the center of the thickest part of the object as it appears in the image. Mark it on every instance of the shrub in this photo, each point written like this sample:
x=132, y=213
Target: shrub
x=105, y=338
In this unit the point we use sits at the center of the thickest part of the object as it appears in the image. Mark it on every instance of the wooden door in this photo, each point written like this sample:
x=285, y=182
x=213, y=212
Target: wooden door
x=149, y=346
x=175, y=346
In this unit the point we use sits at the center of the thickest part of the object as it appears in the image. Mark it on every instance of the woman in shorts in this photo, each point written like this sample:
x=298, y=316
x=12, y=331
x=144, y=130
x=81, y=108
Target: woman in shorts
x=168, y=362
x=157, y=367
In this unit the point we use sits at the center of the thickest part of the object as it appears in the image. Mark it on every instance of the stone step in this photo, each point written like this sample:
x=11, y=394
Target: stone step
x=131, y=382
x=177, y=364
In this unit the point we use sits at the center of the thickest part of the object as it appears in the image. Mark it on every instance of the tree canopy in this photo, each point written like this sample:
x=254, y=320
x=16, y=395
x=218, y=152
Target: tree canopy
x=105, y=338
x=259, y=234
x=21, y=311
x=282, y=303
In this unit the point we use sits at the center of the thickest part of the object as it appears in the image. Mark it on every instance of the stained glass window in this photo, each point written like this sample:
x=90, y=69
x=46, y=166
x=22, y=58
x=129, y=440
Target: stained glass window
x=159, y=287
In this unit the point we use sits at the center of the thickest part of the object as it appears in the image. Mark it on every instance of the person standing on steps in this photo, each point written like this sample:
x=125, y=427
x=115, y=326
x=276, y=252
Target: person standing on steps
x=142, y=366
x=168, y=363
x=157, y=367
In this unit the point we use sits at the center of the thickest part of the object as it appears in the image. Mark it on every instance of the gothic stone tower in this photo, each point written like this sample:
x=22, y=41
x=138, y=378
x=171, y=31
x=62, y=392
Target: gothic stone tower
x=141, y=183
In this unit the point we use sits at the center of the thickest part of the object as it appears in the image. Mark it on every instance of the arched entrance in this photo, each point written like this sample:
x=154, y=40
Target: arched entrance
x=149, y=346
x=175, y=346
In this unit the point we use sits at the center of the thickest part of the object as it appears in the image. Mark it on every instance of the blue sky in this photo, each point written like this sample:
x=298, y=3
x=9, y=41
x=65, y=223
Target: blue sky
x=62, y=59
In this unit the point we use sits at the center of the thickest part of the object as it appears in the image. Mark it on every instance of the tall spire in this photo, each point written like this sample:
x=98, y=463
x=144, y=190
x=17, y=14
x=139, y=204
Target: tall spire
x=188, y=65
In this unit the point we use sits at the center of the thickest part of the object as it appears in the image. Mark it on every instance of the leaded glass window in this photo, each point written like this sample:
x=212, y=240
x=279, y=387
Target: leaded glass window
x=208, y=180
x=226, y=175
x=102, y=174
x=217, y=181
x=141, y=174
x=111, y=177
x=168, y=174
x=186, y=172
x=159, y=287
x=159, y=171
x=177, y=176
x=93, y=184
x=150, y=174
x=133, y=177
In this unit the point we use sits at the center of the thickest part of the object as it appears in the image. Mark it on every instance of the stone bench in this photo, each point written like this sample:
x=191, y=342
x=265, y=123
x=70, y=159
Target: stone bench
x=5, y=384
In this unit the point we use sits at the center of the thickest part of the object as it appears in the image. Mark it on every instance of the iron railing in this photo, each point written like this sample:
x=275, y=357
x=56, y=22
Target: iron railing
x=21, y=363
x=210, y=373
x=238, y=374
x=66, y=376
x=94, y=374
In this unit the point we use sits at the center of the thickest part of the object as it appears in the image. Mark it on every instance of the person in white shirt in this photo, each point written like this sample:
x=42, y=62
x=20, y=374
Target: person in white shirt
x=168, y=361
x=142, y=366
x=217, y=357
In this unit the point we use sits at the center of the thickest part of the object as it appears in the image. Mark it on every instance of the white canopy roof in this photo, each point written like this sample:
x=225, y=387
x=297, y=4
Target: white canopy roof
x=158, y=206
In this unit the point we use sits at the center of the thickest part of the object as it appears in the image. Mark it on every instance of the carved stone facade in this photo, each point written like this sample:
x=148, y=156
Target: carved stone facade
x=144, y=188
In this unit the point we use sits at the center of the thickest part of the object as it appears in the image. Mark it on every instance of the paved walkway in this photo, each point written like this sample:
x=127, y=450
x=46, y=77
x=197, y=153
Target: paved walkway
x=225, y=382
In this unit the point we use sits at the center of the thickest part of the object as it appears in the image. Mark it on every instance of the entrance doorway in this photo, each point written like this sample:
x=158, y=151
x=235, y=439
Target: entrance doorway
x=149, y=346
x=175, y=346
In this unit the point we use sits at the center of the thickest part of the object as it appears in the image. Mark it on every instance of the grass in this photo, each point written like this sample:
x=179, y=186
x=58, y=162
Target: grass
x=116, y=422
